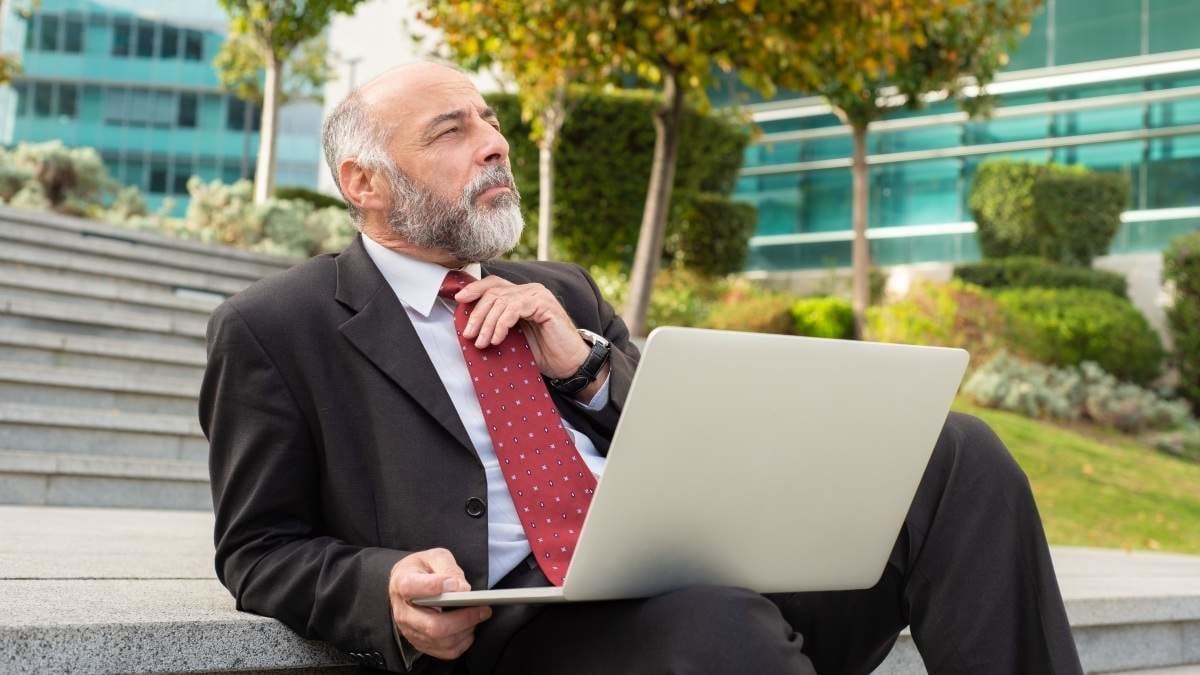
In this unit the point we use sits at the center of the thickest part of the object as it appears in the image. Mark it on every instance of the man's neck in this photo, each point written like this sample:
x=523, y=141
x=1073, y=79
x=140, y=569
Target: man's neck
x=391, y=241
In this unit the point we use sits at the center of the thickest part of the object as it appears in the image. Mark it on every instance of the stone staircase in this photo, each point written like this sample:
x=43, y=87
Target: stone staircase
x=101, y=355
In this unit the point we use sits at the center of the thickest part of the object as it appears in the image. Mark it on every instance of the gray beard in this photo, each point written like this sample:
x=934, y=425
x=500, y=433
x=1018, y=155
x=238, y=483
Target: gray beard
x=467, y=232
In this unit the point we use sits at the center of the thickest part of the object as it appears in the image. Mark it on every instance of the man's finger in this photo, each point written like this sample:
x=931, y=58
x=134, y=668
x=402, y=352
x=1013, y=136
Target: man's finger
x=484, y=338
x=432, y=625
x=441, y=561
x=507, y=320
x=419, y=585
x=474, y=290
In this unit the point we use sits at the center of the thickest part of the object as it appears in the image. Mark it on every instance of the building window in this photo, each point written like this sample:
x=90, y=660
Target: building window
x=43, y=99
x=170, y=42
x=241, y=116
x=49, y=33
x=121, y=37
x=193, y=45
x=187, y=110
x=31, y=33
x=68, y=100
x=158, y=177
x=145, y=40
x=179, y=181
x=73, y=34
x=22, y=91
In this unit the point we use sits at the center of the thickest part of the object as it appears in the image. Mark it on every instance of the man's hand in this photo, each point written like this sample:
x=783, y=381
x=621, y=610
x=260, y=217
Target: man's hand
x=442, y=635
x=500, y=304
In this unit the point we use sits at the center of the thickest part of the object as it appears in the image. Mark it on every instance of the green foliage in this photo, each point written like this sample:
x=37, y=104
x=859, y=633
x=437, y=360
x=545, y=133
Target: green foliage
x=1080, y=213
x=711, y=234
x=1084, y=392
x=12, y=179
x=953, y=314
x=602, y=168
x=746, y=307
x=1183, y=443
x=276, y=27
x=680, y=298
x=50, y=175
x=317, y=199
x=823, y=317
x=1066, y=214
x=239, y=66
x=1069, y=326
x=1028, y=271
x=1181, y=268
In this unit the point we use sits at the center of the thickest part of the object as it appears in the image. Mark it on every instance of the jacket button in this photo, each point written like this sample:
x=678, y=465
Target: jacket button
x=476, y=507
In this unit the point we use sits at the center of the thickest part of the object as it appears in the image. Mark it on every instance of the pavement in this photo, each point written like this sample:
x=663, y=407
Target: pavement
x=76, y=579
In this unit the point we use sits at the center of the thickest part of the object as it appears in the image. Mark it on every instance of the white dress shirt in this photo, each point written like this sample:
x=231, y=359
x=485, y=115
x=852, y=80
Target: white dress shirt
x=416, y=284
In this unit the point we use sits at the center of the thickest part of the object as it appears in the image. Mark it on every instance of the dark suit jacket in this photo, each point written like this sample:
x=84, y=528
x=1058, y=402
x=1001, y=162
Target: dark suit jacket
x=336, y=451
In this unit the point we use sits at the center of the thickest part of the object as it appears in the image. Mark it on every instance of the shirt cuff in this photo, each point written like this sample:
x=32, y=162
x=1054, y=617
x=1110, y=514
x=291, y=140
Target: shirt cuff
x=600, y=399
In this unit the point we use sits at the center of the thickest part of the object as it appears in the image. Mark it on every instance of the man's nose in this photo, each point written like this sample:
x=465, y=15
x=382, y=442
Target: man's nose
x=494, y=149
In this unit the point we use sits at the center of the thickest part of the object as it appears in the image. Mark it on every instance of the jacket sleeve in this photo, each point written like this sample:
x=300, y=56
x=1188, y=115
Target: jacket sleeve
x=271, y=552
x=623, y=358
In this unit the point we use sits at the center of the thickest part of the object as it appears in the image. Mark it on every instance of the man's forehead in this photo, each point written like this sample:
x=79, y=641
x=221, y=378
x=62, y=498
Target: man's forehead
x=413, y=95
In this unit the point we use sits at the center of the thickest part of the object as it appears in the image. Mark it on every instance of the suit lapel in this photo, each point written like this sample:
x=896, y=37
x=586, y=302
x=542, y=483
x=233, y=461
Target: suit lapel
x=382, y=332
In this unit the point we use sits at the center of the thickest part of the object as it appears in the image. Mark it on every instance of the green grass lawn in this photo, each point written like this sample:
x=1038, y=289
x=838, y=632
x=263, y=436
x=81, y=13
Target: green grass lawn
x=1100, y=488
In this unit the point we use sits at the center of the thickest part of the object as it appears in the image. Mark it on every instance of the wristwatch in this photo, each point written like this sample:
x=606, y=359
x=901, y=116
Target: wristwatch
x=587, y=373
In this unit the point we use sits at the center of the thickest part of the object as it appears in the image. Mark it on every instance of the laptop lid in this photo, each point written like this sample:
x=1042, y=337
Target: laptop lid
x=770, y=462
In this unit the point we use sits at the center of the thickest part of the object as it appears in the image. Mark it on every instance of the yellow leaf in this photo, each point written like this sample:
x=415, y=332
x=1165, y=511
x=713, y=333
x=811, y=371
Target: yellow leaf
x=747, y=6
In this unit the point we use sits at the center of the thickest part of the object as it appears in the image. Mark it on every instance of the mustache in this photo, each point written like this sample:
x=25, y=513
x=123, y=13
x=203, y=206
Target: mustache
x=498, y=175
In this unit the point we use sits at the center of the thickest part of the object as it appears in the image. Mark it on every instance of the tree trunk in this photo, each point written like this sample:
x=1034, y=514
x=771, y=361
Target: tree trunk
x=860, y=252
x=545, y=197
x=264, y=173
x=658, y=204
x=552, y=119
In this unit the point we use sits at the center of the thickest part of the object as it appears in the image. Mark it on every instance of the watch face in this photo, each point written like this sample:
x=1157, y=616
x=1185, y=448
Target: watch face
x=592, y=338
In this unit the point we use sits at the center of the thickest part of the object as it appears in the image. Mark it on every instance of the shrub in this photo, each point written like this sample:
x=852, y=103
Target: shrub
x=1064, y=213
x=1183, y=443
x=1068, y=326
x=12, y=179
x=1085, y=392
x=680, y=298
x=1181, y=267
x=1028, y=271
x=71, y=180
x=746, y=307
x=712, y=235
x=602, y=168
x=318, y=200
x=1078, y=213
x=823, y=317
x=954, y=314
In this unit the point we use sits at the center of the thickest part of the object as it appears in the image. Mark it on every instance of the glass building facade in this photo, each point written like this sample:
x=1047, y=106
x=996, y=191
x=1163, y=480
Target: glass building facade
x=1110, y=84
x=134, y=80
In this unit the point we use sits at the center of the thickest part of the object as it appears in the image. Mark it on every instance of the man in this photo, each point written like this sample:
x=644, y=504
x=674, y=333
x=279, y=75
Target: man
x=357, y=462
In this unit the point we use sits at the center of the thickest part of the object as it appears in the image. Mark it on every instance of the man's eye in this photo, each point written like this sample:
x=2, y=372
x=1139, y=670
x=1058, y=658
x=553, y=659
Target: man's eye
x=447, y=132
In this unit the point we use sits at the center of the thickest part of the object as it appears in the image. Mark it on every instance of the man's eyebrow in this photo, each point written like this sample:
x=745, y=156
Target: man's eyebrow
x=459, y=116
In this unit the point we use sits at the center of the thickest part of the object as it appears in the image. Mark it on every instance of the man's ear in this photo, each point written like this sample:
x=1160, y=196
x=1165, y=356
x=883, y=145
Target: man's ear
x=361, y=187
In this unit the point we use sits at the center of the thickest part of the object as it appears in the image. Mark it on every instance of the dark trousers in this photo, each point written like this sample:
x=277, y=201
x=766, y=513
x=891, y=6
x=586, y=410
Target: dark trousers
x=970, y=573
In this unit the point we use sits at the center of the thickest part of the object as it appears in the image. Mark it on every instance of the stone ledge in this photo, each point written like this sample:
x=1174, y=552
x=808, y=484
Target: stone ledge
x=55, y=286
x=61, y=463
x=79, y=378
x=83, y=418
x=108, y=318
x=98, y=346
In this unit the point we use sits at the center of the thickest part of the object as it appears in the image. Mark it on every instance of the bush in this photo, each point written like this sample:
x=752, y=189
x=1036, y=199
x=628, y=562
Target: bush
x=318, y=200
x=712, y=235
x=680, y=298
x=602, y=169
x=1183, y=443
x=1063, y=213
x=73, y=181
x=1181, y=268
x=746, y=307
x=1068, y=326
x=1079, y=213
x=1029, y=271
x=1085, y=392
x=823, y=317
x=954, y=314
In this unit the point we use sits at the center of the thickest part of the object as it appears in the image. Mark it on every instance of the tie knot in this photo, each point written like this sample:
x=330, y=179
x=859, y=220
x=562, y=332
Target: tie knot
x=454, y=282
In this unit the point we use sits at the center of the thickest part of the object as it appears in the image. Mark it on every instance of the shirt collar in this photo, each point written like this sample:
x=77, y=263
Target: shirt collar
x=415, y=282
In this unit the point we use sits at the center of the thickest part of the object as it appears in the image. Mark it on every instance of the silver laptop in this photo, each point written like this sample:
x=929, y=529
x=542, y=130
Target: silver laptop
x=767, y=462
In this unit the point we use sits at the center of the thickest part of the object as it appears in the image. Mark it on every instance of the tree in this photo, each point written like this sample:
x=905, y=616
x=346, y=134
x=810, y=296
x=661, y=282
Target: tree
x=273, y=29
x=538, y=48
x=871, y=56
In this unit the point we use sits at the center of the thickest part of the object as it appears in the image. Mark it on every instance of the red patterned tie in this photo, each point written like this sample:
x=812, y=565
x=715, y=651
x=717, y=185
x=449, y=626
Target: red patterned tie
x=550, y=485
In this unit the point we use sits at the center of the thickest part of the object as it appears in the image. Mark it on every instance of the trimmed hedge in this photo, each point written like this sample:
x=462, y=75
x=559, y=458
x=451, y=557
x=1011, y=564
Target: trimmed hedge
x=1067, y=326
x=602, y=168
x=823, y=317
x=954, y=314
x=712, y=234
x=1029, y=271
x=1063, y=213
x=1181, y=266
x=319, y=200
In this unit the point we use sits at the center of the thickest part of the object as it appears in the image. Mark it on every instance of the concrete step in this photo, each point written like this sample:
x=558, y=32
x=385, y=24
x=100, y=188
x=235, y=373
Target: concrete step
x=97, y=390
x=102, y=354
x=77, y=318
x=64, y=479
x=126, y=245
x=39, y=285
x=42, y=428
x=93, y=268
